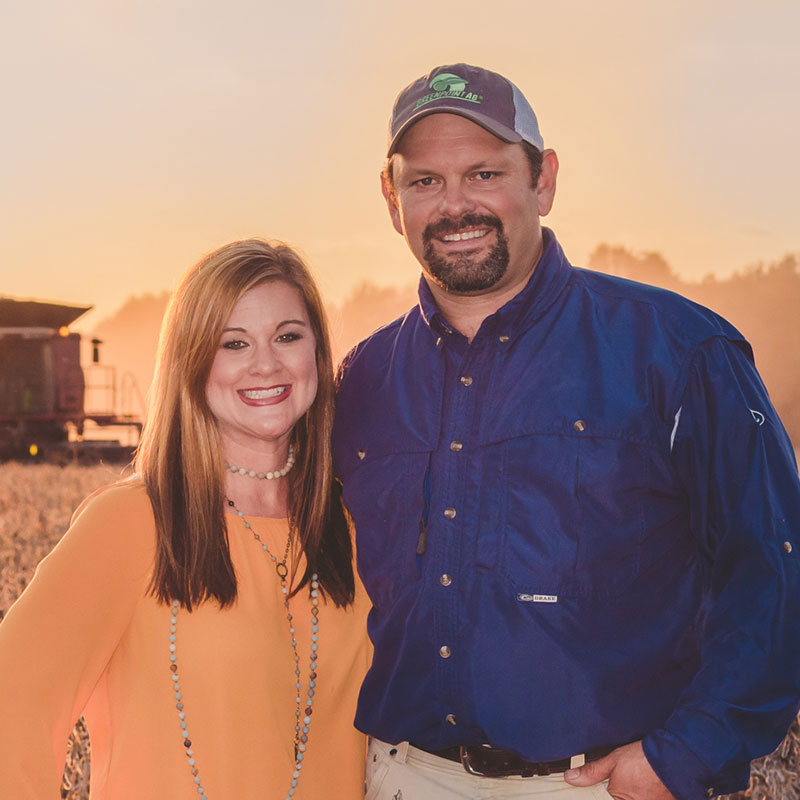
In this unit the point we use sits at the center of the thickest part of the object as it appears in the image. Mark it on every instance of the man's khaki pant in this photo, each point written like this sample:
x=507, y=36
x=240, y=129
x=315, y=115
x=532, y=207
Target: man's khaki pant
x=402, y=772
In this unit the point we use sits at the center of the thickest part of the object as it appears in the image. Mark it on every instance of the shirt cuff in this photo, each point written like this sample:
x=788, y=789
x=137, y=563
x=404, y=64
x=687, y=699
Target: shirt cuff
x=685, y=775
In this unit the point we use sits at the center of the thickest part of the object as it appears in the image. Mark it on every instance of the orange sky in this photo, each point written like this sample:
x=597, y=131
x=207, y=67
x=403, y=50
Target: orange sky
x=136, y=137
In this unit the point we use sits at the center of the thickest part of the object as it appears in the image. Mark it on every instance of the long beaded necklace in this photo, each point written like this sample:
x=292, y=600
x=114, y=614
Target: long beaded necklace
x=302, y=718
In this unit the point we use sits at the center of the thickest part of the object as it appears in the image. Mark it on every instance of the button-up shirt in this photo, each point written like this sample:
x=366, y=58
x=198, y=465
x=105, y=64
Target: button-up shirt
x=578, y=529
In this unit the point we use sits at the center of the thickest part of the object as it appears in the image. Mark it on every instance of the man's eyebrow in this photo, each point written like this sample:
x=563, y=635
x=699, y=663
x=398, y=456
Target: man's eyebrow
x=417, y=171
x=493, y=164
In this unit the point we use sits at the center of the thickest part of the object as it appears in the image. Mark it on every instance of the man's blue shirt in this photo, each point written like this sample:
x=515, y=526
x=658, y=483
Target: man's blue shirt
x=579, y=529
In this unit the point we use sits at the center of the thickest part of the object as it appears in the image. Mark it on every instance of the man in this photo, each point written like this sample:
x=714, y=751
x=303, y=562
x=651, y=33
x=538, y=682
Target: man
x=576, y=508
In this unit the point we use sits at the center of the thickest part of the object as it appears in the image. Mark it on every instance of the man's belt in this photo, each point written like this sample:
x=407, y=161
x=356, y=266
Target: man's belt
x=491, y=762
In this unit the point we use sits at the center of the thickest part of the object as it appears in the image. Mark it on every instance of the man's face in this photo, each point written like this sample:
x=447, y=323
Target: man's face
x=465, y=204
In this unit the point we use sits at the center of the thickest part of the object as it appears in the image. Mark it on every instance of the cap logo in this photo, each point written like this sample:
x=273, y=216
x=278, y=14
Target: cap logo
x=447, y=84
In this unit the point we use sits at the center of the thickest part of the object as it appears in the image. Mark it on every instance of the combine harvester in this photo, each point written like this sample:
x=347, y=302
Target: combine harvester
x=43, y=389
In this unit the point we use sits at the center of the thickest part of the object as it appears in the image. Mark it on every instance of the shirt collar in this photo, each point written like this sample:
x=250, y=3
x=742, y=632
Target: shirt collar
x=521, y=311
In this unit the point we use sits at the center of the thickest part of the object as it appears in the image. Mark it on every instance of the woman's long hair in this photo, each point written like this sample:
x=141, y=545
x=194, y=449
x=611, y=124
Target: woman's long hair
x=180, y=457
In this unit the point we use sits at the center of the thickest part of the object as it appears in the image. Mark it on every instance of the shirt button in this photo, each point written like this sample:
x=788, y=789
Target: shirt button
x=450, y=719
x=444, y=651
x=361, y=455
x=449, y=513
x=466, y=380
x=445, y=580
x=456, y=446
x=787, y=546
x=503, y=338
x=579, y=425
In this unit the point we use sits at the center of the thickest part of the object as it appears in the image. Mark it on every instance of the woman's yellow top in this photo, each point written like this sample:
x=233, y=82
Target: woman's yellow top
x=86, y=638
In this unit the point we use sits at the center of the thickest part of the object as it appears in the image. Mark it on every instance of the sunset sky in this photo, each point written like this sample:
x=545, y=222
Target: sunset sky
x=136, y=136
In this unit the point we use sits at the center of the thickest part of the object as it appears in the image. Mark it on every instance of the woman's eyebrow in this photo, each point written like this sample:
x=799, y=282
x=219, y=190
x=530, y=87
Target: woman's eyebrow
x=279, y=325
x=291, y=322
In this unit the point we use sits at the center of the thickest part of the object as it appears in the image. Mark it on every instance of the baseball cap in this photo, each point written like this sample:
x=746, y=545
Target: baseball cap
x=486, y=98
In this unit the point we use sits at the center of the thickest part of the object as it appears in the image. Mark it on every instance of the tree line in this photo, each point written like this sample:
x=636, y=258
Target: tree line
x=762, y=301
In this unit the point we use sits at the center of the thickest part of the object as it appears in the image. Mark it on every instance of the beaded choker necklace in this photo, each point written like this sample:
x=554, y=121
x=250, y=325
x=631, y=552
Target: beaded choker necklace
x=264, y=476
x=302, y=723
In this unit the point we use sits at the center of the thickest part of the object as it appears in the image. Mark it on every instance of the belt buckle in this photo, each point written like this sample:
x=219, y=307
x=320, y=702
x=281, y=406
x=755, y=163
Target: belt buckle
x=486, y=762
x=466, y=761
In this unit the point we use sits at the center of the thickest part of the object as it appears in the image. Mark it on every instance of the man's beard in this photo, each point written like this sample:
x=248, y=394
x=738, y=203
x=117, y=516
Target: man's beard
x=465, y=272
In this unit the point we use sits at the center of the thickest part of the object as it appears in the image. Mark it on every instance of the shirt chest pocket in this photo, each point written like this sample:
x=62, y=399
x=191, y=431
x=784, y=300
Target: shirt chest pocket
x=574, y=519
x=385, y=495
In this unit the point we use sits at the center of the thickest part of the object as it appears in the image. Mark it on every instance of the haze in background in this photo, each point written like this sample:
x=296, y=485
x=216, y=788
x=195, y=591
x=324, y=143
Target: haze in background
x=137, y=136
x=761, y=301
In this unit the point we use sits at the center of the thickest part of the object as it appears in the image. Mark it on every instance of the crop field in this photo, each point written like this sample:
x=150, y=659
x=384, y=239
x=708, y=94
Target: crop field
x=36, y=502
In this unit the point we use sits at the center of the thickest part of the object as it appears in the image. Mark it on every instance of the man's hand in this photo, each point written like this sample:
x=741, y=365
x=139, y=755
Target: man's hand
x=629, y=774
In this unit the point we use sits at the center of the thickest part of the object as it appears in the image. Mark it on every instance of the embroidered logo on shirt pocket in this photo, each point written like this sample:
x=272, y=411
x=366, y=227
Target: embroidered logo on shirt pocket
x=523, y=597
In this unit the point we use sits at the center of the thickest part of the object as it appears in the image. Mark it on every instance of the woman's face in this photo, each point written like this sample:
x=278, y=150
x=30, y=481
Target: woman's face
x=264, y=375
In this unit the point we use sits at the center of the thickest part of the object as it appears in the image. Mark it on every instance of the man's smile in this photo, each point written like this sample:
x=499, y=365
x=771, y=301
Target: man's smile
x=460, y=237
x=468, y=227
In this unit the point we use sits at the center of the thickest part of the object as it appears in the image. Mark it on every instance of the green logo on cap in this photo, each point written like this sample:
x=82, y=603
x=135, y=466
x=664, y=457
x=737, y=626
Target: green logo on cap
x=447, y=84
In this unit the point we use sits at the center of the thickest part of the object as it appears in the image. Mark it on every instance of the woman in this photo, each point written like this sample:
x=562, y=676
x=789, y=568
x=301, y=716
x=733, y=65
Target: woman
x=204, y=616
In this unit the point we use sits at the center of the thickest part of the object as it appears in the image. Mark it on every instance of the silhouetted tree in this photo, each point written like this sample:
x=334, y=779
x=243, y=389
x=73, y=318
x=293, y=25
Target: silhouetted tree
x=644, y=267
x=366, y=309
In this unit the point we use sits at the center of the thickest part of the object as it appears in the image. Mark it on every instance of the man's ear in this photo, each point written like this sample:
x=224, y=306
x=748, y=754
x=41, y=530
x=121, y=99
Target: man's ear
x=546, y=185
x=390, y=195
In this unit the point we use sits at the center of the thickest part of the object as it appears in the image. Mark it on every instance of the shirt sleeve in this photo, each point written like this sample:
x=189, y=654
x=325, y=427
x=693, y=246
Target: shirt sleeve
x=738, y=471
x=57, y=639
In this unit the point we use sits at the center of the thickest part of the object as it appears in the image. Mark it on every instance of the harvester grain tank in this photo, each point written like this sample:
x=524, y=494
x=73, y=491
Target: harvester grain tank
x=43, y=387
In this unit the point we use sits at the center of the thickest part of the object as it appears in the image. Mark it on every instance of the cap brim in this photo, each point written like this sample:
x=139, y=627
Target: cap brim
x=500, y=131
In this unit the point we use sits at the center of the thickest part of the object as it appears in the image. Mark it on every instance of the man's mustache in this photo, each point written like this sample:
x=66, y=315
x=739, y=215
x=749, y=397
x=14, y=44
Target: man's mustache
x=444, y=226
